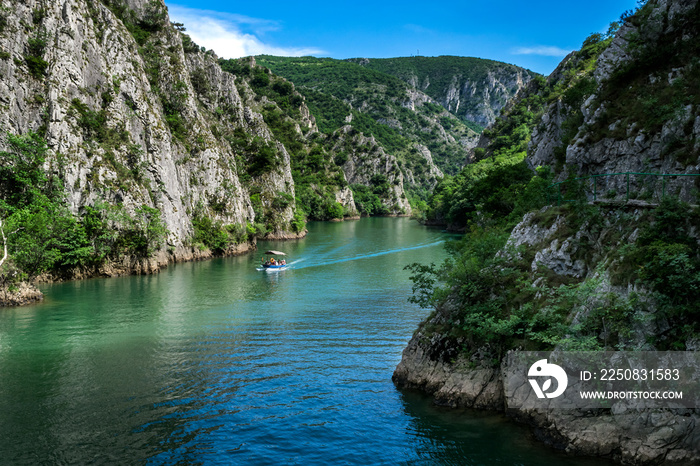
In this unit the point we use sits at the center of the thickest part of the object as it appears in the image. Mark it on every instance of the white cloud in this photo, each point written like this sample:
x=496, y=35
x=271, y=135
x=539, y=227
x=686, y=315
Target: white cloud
x=232, y=36
x=545, y=50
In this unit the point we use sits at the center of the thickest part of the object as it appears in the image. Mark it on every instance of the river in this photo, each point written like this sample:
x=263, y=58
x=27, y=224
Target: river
x=216, y=362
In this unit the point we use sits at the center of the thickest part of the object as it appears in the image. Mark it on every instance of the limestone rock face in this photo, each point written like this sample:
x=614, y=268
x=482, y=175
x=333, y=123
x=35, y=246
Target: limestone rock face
x=346, y=199
x=433, y=171
x=473, y=89
x=454, y=385
x=415, y=98
x=163, y=114
x=601, y=145
x=546, y=137
x=556, y=255
x=646, y=438
x=367, y=159
x=19, y=295
x=481, y=102
x=433, y=363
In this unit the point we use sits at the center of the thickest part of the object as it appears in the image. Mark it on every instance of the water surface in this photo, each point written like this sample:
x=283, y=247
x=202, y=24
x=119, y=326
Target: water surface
x=217, y=363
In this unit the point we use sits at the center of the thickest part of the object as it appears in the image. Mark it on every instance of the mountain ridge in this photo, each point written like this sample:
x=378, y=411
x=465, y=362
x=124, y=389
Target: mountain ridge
x=475, y=89
x=376, y=91
x=404, y=121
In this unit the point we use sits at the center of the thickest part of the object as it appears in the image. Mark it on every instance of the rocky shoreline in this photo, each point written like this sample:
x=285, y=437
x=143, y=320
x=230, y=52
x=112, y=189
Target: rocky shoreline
x=286, y=235
x=19, y=295
x=27, y=293
x=634, y=437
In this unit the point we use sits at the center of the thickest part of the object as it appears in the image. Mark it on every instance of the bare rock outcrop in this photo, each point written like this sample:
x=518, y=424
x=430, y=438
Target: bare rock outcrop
x=19, y=294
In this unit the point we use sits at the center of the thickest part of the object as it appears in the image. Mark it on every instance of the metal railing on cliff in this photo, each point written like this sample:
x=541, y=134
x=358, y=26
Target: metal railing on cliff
x=643, y=187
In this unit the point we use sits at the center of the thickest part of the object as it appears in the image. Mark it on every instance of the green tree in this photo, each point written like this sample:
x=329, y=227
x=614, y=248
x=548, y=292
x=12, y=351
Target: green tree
x=148, y=230
x=22, y=177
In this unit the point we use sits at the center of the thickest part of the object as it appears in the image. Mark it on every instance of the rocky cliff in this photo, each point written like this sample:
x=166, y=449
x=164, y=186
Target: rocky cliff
x=629, y=437
x=635, y=111
x=367, y=162
x=471, y=88
x=137, y=120
x=611, y=268
x=553, y=250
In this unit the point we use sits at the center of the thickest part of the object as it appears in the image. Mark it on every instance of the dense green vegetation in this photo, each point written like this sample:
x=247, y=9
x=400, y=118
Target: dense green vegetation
x=499, y=186
x=35, y=53
x=439, y=70
x=492, y=298
x=44, y=236
x=315, y=173
x=217, y=237
x=340, y=79
x=368, y=198
x=434, y=75
x=666, y=258
x=339, y=93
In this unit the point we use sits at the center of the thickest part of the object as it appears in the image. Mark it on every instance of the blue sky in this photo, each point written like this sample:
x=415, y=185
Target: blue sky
x=534, y=34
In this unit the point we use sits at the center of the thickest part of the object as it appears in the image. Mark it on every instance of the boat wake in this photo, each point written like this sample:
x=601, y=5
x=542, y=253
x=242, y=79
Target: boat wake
x=359, y=257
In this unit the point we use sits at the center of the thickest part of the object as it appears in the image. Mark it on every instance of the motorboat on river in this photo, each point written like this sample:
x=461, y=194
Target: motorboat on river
x=273, y=263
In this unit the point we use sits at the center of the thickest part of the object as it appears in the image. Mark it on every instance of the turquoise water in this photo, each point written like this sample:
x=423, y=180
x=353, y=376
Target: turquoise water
x=217, y=363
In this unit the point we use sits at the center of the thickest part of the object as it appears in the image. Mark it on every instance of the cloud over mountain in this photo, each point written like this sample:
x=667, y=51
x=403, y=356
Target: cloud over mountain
x=233, y=36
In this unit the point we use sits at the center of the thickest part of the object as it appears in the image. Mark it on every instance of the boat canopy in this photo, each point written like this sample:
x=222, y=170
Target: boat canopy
x=275, y=253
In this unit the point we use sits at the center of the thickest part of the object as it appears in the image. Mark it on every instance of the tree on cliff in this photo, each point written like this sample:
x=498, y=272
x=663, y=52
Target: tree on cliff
x=46, y=235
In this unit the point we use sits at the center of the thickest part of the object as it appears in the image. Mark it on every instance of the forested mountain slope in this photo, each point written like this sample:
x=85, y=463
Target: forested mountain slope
x=474, y=89
x=406, y=122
